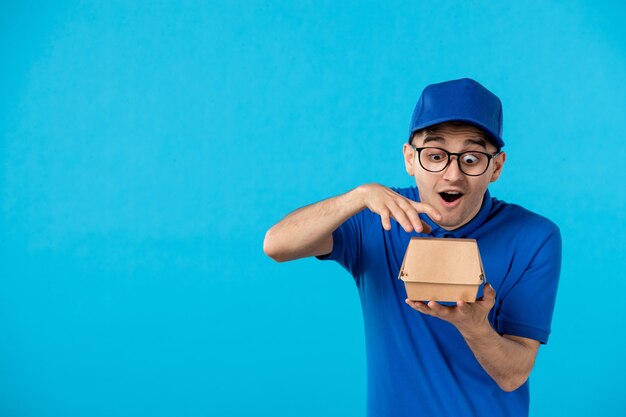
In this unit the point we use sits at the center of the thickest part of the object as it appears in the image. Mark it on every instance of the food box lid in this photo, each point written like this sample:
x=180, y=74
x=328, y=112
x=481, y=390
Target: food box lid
x=442, y=261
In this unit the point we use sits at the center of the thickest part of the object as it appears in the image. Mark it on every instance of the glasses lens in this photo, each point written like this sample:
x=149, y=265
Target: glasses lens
x=433, y=159
x=473, y=163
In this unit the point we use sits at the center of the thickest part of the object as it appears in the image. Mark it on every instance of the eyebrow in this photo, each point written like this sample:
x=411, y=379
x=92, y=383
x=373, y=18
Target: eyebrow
x=471, y=141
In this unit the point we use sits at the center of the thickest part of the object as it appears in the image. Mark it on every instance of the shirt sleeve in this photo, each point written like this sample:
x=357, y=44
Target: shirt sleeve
x=527, y=309
x=348, y=244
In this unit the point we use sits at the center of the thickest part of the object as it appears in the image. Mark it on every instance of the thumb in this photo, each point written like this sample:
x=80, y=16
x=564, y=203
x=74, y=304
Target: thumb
x=489, y=294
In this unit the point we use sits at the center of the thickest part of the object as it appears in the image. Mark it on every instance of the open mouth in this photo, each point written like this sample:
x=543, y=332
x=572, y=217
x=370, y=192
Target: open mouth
x=450, y=196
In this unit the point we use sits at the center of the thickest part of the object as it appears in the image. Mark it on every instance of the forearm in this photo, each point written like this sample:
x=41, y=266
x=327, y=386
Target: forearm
x=507, y=361
x=308, y=230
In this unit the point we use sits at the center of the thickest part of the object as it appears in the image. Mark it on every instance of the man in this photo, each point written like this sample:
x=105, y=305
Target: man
x=425, y=358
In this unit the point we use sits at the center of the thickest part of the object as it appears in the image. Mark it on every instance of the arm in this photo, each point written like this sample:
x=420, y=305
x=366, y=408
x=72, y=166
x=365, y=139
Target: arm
x=507, y=359
x=308, y=231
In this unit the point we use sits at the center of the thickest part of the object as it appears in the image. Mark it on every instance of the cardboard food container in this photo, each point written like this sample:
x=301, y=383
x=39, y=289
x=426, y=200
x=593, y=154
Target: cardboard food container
x=442, y=269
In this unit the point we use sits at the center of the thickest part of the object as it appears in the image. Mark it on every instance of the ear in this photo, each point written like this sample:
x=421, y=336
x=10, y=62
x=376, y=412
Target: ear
x=409, y=158
x=498, y=163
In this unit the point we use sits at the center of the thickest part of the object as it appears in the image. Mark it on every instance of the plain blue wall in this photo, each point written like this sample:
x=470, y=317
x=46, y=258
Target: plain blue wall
x=146, y=147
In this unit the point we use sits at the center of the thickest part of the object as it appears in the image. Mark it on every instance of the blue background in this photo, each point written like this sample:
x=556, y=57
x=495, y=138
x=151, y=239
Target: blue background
x=146, y=147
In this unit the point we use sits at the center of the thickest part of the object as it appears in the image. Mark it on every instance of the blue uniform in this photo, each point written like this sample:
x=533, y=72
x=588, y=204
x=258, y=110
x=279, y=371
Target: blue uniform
x=419, y=365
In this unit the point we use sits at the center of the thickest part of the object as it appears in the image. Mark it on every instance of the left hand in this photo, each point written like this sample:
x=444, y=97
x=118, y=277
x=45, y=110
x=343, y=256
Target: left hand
x=467, y=317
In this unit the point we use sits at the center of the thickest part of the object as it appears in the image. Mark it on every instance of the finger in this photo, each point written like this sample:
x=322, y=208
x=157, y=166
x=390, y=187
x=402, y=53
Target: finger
x=413, y=211
x=489, y=292
x=428, y=209
x=400, y=216
x=412, y=215
x=438, y=309
x=489, y=295
x=384, y=219
x=462, y=306
x=417, y=305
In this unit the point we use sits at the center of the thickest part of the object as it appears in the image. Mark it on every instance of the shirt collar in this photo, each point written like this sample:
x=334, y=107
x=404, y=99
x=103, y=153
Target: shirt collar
x=467, y=228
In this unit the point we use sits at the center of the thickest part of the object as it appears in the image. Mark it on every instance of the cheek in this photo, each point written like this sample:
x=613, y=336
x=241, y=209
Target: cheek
x=423, y=183
x=479, y=187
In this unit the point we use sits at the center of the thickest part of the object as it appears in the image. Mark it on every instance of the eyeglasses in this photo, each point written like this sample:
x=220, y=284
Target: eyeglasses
x=472, y=163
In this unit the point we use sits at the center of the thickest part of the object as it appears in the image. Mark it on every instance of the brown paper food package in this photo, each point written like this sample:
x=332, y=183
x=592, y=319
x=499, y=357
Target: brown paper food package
x=442, y=269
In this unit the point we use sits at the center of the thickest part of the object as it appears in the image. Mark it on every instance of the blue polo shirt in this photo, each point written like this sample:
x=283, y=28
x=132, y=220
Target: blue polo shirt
x=418, y=365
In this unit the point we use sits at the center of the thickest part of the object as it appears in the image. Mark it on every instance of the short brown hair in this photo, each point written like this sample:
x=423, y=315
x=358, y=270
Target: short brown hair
x=454, y=123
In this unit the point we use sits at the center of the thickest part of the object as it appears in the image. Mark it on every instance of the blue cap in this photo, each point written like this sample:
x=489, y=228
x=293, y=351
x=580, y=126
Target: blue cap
x=463, y=100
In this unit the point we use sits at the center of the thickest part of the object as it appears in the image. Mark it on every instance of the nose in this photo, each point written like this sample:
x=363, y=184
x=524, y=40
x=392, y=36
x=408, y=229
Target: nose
x=453, y=171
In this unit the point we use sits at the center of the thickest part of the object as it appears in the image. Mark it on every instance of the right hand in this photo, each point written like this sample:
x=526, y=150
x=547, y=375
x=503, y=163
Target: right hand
x=390, y=205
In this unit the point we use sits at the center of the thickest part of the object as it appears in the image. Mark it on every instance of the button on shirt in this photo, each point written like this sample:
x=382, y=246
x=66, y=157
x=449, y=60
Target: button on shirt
x=421, y=365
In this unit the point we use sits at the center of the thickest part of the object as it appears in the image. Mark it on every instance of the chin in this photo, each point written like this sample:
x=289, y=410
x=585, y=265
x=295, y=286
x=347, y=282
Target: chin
x=451, y=224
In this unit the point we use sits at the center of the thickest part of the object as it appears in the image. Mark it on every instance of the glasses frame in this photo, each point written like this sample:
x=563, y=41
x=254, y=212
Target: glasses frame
x=458, y=155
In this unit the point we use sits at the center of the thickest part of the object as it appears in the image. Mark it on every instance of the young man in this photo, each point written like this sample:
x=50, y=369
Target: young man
x=469, y=359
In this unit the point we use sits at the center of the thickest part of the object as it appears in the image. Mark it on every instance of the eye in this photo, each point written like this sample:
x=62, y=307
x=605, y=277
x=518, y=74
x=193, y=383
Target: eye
x=436, y=155
x=471, y=158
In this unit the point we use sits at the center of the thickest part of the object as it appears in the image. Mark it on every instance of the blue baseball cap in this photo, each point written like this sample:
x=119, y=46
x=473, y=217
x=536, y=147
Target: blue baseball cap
x=463, y=100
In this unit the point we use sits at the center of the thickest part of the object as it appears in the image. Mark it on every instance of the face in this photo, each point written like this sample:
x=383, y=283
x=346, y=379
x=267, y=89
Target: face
x=456, y=196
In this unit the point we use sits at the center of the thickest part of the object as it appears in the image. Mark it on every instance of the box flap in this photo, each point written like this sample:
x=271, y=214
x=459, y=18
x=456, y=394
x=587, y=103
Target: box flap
x=442, y=261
